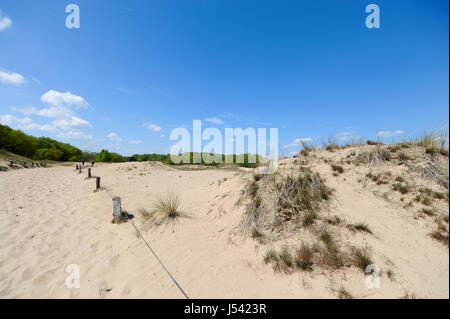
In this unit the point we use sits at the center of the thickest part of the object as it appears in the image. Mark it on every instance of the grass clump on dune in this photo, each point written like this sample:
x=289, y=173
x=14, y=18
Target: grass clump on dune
x=361, y=258
x=165, y=208
x=337, y=168
x=281, y=202
x=344, y=294
x=168, y=205
x=361, y=227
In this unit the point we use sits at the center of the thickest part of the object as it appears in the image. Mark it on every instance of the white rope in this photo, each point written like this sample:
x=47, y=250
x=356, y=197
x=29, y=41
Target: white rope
x=149, y=247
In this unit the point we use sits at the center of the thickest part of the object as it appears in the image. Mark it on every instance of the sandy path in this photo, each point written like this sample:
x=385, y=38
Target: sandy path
x=52, y=218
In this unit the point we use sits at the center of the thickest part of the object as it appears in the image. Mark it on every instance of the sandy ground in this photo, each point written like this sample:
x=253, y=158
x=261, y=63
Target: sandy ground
x=51, y=218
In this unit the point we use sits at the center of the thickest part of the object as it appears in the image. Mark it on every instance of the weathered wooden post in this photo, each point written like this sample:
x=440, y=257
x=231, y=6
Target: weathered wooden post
x=97, y=182
x=89, y=172
x=117, y=209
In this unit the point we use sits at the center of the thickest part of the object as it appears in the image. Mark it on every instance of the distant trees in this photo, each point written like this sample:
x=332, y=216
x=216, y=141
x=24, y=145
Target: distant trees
x=44, y=148
x=243, y=159
x=106, y=156
x=37, y=148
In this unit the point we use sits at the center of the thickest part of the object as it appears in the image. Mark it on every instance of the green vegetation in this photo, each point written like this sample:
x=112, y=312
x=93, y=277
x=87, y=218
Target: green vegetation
x=36, y=148
x=44, y=148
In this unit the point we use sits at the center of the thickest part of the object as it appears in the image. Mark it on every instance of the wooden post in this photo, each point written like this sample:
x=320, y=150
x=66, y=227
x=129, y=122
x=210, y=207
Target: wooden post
x=117, y=209
x=89, y=172
x=97, y=182
x=76, y=167
x=79, y=169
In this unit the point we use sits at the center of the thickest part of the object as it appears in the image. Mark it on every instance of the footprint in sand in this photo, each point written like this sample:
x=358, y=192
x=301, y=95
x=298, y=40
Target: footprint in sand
x=45, y=277
x=27, y=273
x=114, y=261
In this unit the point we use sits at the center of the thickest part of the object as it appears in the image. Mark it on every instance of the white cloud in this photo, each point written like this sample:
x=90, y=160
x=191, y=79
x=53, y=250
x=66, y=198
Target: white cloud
x=135, y=142
x=152, y=127
x=114, y=137
x=25, y=123
x=64, y=120
x=298, y=141
x=72, y=123
x=77, y=135
x=11, y=78
x=214, y=120
x=385, y=134
x=54, y=112
x=5, y=21
x=347, y=136
x=56, y=98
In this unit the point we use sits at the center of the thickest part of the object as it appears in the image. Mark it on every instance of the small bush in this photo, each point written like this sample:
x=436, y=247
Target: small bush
x=309, y=218
x=394, y=148
x=271, y=256
x=428, y=212
x=361, y=258
x=403, y=157
x=285, y=258
x=337, y=168
x=402, y=188
x=304, y=257
x=442, y=238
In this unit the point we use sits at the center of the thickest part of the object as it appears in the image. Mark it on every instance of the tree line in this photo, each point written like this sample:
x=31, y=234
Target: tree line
x=44, y=148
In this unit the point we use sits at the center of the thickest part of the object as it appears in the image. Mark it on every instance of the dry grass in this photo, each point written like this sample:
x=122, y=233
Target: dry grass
x=402, y=156
x=360, y=227
x=282, y=201
x=402, y=188
x=304, y=257
x=434, y=142
x=330, y=254
x=380, y=178
x=360, y=258
x=344, y=294
x=441, y=234
x=168, y=204
x=337, y=168
x=374, y=157
x=165, y=209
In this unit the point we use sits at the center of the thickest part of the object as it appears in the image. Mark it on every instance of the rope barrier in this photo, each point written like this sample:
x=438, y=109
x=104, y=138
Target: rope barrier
x=150, y=248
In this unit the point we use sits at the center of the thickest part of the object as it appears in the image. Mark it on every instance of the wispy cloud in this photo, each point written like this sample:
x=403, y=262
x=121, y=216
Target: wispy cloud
x=385, y=134
x=152, y=127
x=298, y=141
x=114, y=137
x=11, y=78
x=135, y=142
x=79, y=135
x=25, y=123
x=214, y=120
x=346, y=136
x=5, y=21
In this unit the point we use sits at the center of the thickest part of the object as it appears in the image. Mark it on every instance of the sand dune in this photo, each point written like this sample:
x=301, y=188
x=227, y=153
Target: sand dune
x=51, y=217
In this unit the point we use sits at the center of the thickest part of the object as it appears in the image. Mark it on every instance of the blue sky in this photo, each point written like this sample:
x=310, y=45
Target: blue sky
x=135, y=70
